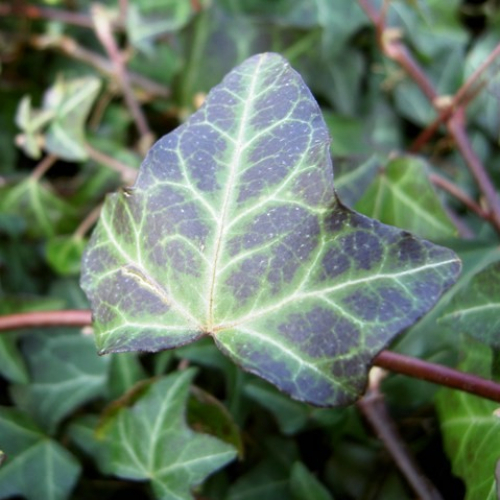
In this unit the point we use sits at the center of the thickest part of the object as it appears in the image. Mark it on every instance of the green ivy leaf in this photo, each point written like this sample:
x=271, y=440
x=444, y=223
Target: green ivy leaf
x=402, y=195
x=151, y=441
x=471, y=428
x=233, y=231
x=43, y=210
x=65, y=373
x=305, y=486
x=64, y=253
x=36, y=466
x=475, y=309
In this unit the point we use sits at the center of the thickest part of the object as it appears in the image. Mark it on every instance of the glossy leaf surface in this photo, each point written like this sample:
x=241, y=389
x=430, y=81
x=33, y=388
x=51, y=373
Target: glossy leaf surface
x=476, y=309
x=151, y=441
x=233, y=230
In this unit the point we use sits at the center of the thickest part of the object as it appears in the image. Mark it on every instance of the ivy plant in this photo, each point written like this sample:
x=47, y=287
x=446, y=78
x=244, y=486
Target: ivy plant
x=270, y=285
x=233, y=230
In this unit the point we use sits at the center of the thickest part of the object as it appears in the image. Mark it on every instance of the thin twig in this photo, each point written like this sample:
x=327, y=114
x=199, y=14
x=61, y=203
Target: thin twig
x=88, y=222
x=70, y=317
x=24, y=10
x=457, y=131
x=393, y=48
x=40, y=170
x=71, y=48
x=457, y=193
x=438, y=374
x=388, y=360
x=372, y=405
x=105, y=35
x=127, y=173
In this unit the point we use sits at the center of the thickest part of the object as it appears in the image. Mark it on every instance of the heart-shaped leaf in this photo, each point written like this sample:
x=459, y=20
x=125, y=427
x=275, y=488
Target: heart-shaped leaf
x=233, y=230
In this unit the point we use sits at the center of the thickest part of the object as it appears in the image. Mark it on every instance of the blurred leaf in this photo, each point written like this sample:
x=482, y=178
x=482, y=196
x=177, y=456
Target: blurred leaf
x=147, y=19
x=208, y=415
x=403, y=196
x=471, y=428
x=125, y=371
x=150, y=441
x=305, y=486
x=64, y=254
x=269, y=479
x=71, y=100
x=12, y=365
x=42, y=210
x=65, y=374
x=254, y=249
x=291, y=415
x=36, y=467
x=475, y=310
x=352, y=181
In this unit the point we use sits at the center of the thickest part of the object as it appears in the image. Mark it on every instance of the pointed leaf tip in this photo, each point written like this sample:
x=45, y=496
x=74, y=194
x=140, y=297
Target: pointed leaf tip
x=233, y=230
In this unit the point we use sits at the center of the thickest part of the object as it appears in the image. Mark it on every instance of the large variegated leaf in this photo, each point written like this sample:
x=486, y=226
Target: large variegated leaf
x=233, y=230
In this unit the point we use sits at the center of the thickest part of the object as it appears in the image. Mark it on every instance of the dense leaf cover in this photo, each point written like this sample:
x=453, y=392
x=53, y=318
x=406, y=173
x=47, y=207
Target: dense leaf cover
x=405, y=103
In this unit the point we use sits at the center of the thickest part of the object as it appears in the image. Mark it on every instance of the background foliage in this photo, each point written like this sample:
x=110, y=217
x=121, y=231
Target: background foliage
x=85, y=89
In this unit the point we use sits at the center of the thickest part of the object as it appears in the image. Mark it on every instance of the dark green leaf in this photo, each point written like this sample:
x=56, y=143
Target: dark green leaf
x=65, y=373
x=150, y=441
x=125, y=372
x=471, y=428
x=305, y=486
x=64, y=254
x=36, y=467
x=404, y=196
x=233, y=230
x=42, y=210
x=475, y=310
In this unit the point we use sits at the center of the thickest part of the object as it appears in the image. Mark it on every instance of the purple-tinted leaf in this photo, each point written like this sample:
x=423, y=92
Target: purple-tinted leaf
x=233, y=230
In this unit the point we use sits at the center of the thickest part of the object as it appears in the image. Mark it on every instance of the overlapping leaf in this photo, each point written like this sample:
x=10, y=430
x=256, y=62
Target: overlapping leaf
x=65, y=374
x=151, y=441
x=36, y=467
x=476, y=309
x=233, y=230
x=402, y=195
x=471, y=428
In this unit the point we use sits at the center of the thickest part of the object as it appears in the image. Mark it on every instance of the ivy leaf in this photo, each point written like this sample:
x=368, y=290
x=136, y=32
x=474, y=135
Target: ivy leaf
x=475, y=309
x=233, y=231
x=36, y=467
x=151, y=441
x=402, y=195
x=471, y=428
x=65, y=372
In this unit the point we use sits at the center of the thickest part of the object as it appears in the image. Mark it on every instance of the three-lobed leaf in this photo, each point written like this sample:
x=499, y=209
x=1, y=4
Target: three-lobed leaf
x=233, y=230
x=150, y=441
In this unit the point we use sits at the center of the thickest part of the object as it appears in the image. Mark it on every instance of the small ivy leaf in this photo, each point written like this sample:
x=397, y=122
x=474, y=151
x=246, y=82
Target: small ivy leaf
x=233, y=230
x=471, y=427
x=475, y=309
x=151, y=441
x=403, y=195
x=35, y=466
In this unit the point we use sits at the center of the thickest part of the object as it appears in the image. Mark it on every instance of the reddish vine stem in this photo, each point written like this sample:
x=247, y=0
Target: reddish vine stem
x=392, y=361
x=35, y=12
x=438, y=374
x=373, y=406
x=105, y=35
x=391, y=45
